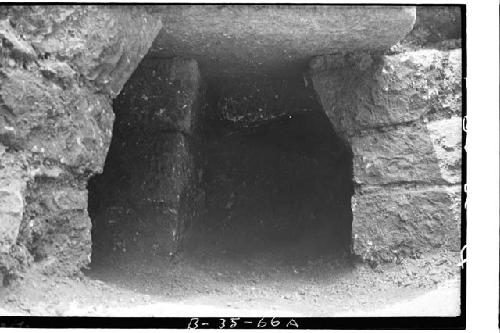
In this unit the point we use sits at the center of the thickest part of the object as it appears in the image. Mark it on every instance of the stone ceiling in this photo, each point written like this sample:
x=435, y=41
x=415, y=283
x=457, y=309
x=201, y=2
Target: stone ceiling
x=232, y=40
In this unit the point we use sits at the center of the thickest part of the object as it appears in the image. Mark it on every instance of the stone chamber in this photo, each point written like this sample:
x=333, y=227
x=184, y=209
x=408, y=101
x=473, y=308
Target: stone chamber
x=175, y=131
x=214, y=174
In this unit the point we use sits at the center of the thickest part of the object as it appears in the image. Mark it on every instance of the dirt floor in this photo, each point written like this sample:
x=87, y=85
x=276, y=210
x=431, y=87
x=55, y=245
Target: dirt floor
x=261, y=285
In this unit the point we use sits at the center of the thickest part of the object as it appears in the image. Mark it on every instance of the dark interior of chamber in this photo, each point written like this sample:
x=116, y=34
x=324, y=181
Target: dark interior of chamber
x=281, y=184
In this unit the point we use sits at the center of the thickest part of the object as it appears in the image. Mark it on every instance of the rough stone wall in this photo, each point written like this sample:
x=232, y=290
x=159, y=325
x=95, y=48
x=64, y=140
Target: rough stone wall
x=153, y=168
x=401, y=115
x=60, y=67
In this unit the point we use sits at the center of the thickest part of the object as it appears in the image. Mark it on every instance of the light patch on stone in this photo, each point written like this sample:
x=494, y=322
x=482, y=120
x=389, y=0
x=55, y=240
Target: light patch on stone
x=70, y=199
x=11, y=213
x=446, y=137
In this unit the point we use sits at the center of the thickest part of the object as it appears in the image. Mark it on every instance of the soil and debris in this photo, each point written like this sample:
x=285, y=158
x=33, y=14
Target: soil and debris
x=264, y=284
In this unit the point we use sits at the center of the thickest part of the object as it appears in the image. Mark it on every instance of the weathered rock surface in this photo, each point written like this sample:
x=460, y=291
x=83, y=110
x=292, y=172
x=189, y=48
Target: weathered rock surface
x=103, y=44
x=400, y=155
x=234, y=40
x=56, y=229
x=66, y=125
x=362, y=92
x=401, y=116
x=446, y=136
x=393, y=223
x=59, y=67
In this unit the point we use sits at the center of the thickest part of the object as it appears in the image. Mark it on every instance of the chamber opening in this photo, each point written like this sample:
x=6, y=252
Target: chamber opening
x=278, y=186
x=257, y=177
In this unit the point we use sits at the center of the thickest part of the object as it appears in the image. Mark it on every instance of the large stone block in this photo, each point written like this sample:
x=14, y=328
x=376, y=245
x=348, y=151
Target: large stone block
x=151, y=178
x=391, y=223
x=162, y=94
x=149, y=191
x=402, y=155
x=236, y=40
x=363, y=92
x=427, y=153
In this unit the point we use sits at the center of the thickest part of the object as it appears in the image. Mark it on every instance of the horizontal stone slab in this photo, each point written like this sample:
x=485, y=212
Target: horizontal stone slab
x=232, y=40
x=393, y=223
